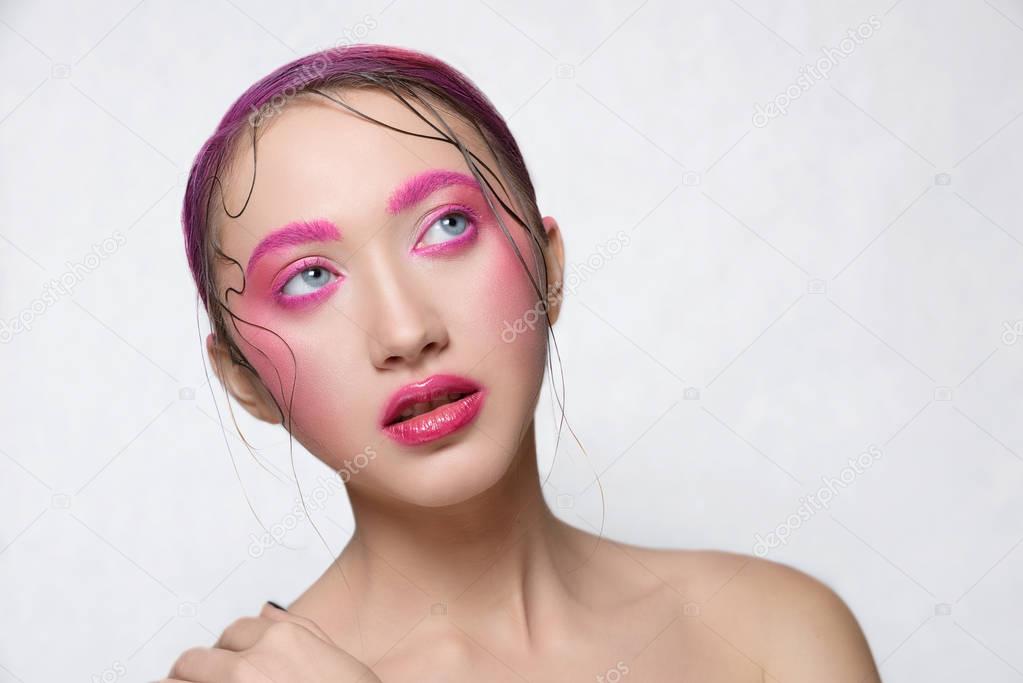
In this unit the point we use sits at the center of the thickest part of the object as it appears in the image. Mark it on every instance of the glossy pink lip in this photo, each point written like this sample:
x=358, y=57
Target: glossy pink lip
x=438, y=422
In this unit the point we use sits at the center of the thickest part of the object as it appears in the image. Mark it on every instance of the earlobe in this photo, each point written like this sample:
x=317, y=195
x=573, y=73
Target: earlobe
x=240, y=382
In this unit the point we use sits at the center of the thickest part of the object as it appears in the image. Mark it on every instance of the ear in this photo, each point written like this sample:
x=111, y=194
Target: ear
x=554, y=255
x=241, y=383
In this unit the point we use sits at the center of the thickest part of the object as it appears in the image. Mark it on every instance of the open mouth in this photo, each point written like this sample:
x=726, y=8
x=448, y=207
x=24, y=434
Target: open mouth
x=425, y=412
x=413, y=410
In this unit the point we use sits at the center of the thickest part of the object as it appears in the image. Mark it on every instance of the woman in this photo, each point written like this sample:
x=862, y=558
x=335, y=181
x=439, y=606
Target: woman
x=365, y=237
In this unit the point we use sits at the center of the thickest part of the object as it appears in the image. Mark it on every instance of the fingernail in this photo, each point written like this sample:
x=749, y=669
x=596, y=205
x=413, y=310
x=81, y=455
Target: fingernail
x=271, y=602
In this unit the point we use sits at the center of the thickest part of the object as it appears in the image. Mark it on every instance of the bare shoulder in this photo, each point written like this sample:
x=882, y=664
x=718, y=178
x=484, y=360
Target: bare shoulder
x=328, y=604
x=793, y=624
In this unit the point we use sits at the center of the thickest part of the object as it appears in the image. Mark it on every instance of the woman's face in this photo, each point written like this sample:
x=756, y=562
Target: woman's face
x=369, y=261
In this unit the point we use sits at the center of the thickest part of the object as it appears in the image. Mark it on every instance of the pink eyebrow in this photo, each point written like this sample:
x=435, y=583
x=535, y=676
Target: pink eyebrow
x=293, y=234
x=408, y=194
x=419, y=187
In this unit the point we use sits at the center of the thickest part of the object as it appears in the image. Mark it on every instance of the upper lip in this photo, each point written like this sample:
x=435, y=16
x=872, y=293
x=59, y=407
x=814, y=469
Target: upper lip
x=430, y=388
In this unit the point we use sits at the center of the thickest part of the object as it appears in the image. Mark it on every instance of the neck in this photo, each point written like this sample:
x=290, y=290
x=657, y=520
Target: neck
x=501, y=549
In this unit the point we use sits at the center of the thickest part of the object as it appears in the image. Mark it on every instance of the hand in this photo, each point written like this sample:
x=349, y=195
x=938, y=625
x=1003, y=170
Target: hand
x=275, y=647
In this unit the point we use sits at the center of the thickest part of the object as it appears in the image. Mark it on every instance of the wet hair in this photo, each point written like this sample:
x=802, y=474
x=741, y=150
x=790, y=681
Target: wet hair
x=390, y=69
x=405, y=74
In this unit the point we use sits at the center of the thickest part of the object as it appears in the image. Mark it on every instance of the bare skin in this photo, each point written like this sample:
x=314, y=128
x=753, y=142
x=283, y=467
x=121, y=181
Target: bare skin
x=556, y=603
x=457, y=570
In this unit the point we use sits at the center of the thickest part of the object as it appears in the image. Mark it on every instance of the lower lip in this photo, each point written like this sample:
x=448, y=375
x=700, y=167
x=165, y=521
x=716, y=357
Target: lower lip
x=437, y=423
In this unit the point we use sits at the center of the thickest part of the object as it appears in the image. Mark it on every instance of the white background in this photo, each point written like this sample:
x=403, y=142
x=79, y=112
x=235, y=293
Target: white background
x=848, y=276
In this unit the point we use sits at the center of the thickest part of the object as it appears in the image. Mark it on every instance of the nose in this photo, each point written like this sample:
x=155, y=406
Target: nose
x=402, y=327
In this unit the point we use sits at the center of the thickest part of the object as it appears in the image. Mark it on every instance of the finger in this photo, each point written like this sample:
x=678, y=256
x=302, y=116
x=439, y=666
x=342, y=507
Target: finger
x=243, y=633
x=271, y=612
x=205, y=665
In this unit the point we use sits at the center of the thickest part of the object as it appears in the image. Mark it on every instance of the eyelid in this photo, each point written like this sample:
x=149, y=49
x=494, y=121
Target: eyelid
x=297, y=267
x=289, y=272
x=439, y=212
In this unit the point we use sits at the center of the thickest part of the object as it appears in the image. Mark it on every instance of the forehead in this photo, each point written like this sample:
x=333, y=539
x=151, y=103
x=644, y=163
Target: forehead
x=317, y=159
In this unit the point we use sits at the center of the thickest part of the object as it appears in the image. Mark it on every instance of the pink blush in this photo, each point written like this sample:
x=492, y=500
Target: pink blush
x=512, y=298
x=267, y=351
x=301, y=377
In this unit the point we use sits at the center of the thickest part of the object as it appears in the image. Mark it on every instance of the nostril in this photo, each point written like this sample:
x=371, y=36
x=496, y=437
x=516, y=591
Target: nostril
x=395, y=348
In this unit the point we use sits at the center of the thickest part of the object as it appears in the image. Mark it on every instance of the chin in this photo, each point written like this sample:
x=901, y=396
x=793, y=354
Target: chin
x=445, y=475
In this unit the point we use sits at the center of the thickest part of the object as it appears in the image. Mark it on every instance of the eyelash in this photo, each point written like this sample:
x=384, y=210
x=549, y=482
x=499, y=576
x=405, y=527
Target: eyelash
x=299, y=267
x=458, y=242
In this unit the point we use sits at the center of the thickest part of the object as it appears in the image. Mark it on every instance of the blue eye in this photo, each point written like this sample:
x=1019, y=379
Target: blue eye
x=307, y=281
x=452, y=224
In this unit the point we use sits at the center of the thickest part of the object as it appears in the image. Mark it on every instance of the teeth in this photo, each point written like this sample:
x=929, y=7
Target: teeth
x=426, y=406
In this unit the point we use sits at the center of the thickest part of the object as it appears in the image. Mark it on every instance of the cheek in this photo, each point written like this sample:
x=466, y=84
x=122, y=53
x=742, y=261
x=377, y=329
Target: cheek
x=306, y=377
x=257, y=337
x=513, y=312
